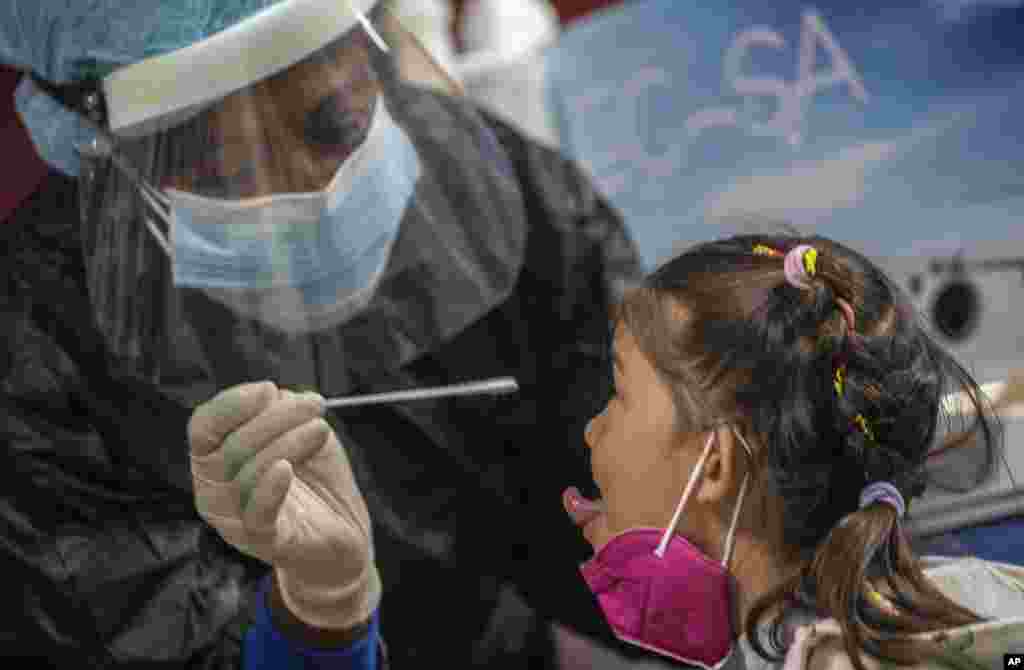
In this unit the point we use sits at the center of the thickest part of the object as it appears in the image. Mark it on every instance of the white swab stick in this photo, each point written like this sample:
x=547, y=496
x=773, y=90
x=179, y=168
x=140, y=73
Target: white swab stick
x=495, y=386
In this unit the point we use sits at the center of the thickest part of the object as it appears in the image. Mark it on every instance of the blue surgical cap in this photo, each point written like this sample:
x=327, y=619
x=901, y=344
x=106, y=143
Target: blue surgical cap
x=66, y=40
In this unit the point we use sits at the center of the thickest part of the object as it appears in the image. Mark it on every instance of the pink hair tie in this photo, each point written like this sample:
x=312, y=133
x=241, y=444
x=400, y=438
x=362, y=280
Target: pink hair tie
x=800, y=266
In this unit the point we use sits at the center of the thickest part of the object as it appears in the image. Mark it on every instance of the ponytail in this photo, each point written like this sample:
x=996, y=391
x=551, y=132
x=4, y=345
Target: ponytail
x=863, y=573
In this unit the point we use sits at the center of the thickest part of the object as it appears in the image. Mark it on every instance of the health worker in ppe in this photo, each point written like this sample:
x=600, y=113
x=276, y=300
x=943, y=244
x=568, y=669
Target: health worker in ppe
x=246, y=191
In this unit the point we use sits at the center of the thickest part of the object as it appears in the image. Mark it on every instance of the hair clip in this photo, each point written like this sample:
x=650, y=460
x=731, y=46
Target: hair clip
x=801, y=265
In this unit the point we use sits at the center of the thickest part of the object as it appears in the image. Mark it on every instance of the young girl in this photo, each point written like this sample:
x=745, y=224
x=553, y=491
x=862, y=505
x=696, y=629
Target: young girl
x=775, y=403
x=787, y=391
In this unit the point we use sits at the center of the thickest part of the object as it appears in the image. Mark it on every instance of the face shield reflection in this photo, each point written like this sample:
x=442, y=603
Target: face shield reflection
x=223, y=236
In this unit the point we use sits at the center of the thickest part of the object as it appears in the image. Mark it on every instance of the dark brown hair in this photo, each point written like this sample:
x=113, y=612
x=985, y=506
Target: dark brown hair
x=736, y=342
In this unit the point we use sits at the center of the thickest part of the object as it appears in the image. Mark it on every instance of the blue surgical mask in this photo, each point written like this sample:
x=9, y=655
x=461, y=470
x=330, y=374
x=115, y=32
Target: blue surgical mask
x=305, y=261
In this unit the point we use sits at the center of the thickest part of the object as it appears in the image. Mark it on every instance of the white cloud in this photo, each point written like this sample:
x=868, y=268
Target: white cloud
x=812, y=188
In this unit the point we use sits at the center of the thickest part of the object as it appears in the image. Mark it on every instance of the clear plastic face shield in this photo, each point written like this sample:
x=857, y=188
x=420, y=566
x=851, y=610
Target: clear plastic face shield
x=245, y=199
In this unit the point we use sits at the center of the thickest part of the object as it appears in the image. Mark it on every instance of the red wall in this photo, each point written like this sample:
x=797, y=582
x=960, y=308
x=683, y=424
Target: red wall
x=571, y=9
x=567, y=9
x=21, y=170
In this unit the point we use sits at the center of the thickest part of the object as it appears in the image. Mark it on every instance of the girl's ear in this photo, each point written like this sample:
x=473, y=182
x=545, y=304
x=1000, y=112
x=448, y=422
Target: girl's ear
x=724, y=469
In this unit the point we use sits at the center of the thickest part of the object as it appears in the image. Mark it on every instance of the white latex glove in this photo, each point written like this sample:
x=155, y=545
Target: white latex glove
x=271, y=477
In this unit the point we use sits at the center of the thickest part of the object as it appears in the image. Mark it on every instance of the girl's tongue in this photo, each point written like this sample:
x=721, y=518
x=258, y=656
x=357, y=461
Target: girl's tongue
x=582, y=510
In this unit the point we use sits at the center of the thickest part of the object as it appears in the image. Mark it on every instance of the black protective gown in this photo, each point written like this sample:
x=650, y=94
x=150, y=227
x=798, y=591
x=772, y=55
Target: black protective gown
x=105, y=560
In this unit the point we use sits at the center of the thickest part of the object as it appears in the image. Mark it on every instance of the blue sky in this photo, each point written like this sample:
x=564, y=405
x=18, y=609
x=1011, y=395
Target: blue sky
x=918, y=147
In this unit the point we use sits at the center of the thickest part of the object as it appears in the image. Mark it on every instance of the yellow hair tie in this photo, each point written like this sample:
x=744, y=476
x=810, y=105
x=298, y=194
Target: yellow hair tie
x=839, y=380
x=810, y=259
x=762, y=250
x=864, y=427
x=862, y=423
x=880, y=601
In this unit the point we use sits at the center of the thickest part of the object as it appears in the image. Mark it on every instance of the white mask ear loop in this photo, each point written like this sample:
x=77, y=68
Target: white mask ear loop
x=731, y=536
x=158, y=237
x=660, y=551
x=368, y=27
x=737, y=508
